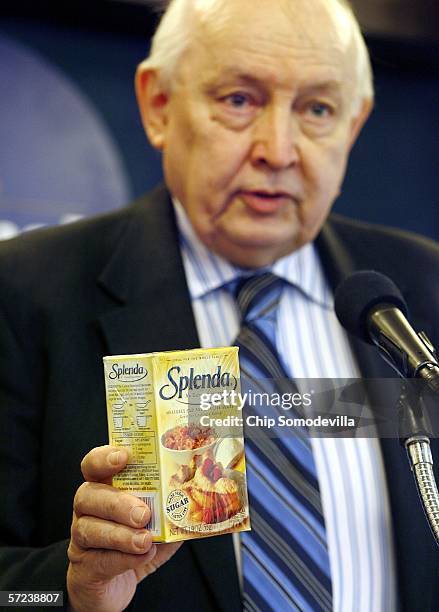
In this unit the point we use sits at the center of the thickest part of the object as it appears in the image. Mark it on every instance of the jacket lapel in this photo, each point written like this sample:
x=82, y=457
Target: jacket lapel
x=151, y=308
x=338, y=263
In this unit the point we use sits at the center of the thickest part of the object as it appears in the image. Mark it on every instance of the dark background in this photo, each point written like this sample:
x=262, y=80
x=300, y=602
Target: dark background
x=95, y=45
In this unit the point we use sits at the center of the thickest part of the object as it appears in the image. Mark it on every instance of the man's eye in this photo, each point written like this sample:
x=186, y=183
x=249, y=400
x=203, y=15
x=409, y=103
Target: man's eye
x=237, y=100
x=320, y=109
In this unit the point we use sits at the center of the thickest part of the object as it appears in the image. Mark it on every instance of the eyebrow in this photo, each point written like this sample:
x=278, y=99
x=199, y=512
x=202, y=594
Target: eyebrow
x=231, y=75
x=332, y=87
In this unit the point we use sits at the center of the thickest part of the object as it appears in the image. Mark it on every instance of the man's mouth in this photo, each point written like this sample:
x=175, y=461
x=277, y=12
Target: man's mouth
x=265, y=202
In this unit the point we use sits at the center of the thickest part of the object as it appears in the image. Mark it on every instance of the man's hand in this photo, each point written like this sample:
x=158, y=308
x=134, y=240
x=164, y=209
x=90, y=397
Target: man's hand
x=110, y=550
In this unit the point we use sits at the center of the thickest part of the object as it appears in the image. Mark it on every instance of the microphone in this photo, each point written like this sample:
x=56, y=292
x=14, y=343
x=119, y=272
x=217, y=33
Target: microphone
x=370, y=306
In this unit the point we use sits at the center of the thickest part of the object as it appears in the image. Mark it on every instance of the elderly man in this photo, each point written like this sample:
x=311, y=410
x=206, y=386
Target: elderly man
x=255, y=107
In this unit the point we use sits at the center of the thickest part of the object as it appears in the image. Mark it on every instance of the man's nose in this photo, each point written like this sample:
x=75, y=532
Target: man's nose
x=276, y=139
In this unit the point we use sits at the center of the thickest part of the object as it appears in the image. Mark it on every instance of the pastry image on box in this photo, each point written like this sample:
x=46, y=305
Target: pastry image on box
x=168, y=410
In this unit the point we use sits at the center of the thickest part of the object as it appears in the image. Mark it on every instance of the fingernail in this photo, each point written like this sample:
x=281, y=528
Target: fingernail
x=138, y=515
x=116, y=457
x=139, y=539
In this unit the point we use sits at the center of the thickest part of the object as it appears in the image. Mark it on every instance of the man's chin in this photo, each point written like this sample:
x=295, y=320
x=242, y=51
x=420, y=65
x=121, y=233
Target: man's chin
x=253, y=252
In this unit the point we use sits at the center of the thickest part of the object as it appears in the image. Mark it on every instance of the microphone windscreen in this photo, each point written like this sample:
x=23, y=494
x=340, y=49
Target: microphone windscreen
x=358, y=293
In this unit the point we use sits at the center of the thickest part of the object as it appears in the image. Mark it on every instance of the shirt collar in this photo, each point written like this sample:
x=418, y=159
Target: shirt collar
x=207, y=271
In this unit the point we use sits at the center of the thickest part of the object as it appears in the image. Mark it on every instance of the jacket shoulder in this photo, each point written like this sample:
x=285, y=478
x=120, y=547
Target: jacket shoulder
x=67, y=251
x=43, y=244
x=370, y=243
x=410, y=260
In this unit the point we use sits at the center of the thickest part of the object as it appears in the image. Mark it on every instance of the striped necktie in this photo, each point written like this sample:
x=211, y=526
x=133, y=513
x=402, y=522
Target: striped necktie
x=284, y=558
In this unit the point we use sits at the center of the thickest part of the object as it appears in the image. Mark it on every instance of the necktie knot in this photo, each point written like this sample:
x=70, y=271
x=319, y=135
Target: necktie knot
x=257, y=295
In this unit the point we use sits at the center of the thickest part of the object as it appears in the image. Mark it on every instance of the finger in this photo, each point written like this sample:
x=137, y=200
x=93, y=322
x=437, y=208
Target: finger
x=111, y=504
x=102, y=462
x=101, y=564
x=89, y=532
x=163, y=554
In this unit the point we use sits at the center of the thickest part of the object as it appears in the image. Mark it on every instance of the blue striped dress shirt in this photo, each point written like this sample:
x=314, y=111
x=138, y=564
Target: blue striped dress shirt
x=350, y=470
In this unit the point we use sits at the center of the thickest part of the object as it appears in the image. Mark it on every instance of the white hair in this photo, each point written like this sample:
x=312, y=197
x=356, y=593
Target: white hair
x=175, y=30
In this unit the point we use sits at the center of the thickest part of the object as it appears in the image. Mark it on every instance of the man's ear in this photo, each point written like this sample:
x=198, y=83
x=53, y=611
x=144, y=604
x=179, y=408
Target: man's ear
x=152, y=99
x=359, y=120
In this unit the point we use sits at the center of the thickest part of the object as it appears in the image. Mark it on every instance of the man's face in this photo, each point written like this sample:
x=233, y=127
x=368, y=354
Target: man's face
x=257, y=128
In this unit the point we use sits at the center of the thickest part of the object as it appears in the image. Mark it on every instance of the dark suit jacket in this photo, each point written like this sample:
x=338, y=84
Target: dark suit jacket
x=115, y=284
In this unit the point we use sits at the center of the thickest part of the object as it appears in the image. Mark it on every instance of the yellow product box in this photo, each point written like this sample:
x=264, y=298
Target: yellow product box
x=179, y=415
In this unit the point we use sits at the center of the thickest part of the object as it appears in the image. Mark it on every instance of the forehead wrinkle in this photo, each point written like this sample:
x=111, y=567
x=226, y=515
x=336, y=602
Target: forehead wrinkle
x=257, y=67
x=230, y=75
x=258, y=49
